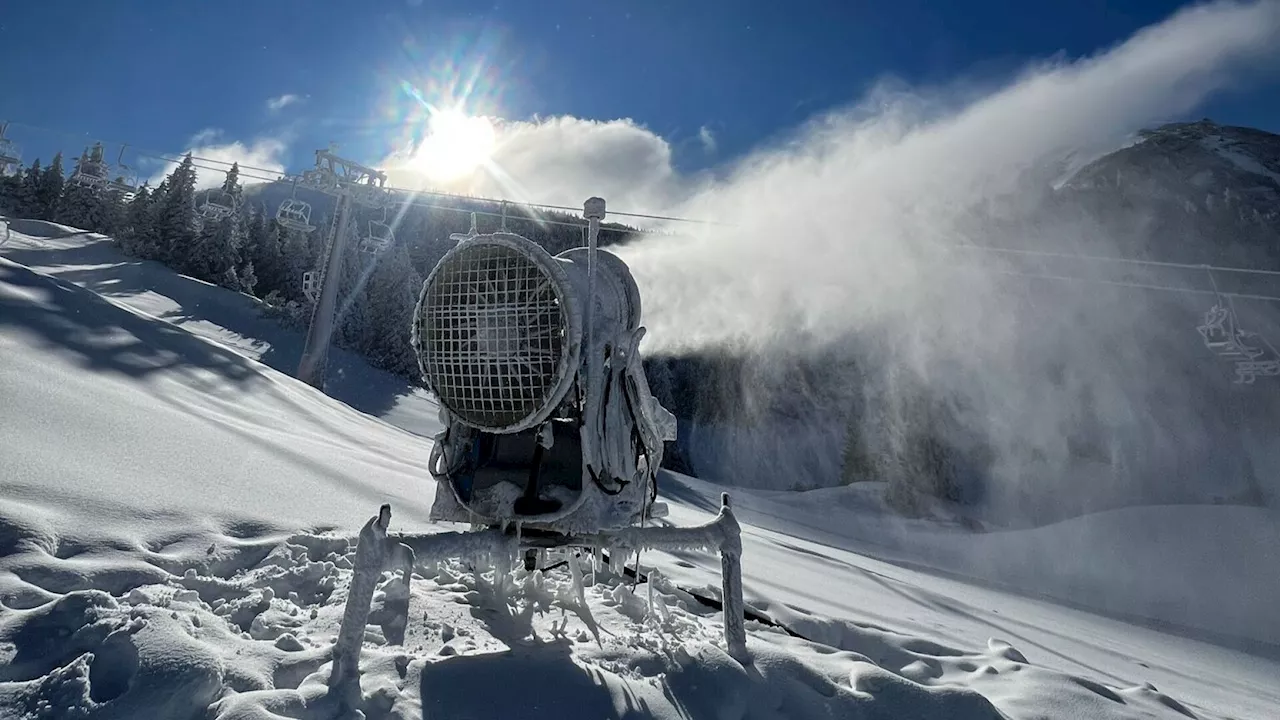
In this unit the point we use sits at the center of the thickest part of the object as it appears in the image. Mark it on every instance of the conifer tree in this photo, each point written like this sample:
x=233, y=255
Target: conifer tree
x=247, y=278
x=214, y=254
x=80, y=208
x=351, y=313
x=49, y=191
x=264, y=252
x=389, y=298
x=174, y=220
x=10, y=191
x=137, y=237
x=29, y=191
x=297, y=256
x=232, y=182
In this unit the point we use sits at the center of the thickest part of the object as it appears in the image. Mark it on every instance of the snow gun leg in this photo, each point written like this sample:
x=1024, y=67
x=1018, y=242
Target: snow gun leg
x=735, y=631
x=722, y=534
x=374, y=552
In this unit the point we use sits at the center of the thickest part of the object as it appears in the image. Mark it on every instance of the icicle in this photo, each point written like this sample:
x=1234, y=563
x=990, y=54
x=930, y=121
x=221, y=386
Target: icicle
x=653, y=578
x=580, y=596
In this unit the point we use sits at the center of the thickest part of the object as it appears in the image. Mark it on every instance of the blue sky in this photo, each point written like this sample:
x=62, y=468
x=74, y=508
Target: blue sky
x=154, y=73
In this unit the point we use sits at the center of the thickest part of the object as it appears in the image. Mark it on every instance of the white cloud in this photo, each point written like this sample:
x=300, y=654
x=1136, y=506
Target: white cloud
x=708, y=139
x=565, y=160
x=277, y=104
x=213, y=158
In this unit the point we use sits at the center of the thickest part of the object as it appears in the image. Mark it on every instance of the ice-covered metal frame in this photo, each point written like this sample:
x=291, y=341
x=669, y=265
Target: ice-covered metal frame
x=468, y=286
x=378, y=550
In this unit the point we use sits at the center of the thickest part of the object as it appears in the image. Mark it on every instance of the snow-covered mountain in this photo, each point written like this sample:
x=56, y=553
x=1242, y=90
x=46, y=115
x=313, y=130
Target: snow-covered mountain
x=1197, y=192
x=176, y=520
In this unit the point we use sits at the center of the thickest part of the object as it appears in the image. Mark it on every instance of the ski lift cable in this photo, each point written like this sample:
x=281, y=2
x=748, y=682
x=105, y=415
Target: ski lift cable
x=980, y=248
x=1138, y=286
x=1128, y=261
x=269, y=175
x=437, y=193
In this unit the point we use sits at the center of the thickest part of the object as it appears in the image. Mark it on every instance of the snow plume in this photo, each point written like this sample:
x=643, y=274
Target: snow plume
x=839, y=233
x=833, y=221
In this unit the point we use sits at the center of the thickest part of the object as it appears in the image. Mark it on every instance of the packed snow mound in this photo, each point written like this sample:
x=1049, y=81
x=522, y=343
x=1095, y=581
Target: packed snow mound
x=176, y=528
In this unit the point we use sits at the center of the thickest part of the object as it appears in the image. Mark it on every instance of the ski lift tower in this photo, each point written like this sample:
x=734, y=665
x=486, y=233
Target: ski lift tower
x=10, y=153
x=349, y=182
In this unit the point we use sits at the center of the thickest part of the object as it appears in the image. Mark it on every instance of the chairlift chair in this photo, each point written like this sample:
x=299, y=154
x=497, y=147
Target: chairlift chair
x=92, y=170
x=295, y=214
x=126, y=181
x=217, y=205
x=310, y=280
x=379, y=237
x=1223, y=336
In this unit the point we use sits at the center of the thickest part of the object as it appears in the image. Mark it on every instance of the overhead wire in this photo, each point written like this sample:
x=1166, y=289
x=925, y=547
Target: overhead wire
x=144, y=152
x=271, y=175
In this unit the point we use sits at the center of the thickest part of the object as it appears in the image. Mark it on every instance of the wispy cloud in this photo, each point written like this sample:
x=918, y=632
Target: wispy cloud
x=708, y=139
x=276, y=104
x=216, y=154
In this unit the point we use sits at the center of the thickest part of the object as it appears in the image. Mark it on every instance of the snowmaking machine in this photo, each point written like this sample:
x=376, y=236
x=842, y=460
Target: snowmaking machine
x=552, y=440
x=548, y=418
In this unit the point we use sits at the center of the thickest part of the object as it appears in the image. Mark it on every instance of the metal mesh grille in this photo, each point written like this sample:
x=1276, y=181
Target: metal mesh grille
x=493, y=335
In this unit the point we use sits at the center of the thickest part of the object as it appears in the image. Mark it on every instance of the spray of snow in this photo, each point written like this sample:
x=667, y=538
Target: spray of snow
x=850, y=234
x=831, y=229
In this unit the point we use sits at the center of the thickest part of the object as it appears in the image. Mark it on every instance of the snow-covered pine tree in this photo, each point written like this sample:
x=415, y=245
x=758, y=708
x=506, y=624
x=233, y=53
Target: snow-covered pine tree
x=216, y=256
x=29, y=191
x=137, y=237
x=174, y=220
x=215, y=253
x=262, y=249
x=232, y=182
x=80, y=208
x=389, y=298
x=352, y=303
x=11, y=191
x=297, y=258
x=49, y=190
x=247, y=277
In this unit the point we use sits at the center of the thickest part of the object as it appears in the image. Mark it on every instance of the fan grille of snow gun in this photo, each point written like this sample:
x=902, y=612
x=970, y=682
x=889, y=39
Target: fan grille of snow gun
x=495, y=333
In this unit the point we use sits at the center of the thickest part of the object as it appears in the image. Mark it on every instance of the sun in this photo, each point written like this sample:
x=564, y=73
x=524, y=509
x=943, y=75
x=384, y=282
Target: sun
x=456, y=145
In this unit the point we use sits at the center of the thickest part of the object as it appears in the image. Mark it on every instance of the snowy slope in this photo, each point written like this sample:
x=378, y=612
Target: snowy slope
x=156, y=493
x=91, y=261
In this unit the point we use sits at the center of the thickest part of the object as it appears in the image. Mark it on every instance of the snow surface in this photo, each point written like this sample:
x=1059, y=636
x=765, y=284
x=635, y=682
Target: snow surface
x=175, y=520
x=232, y=319
x=1242, y=160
